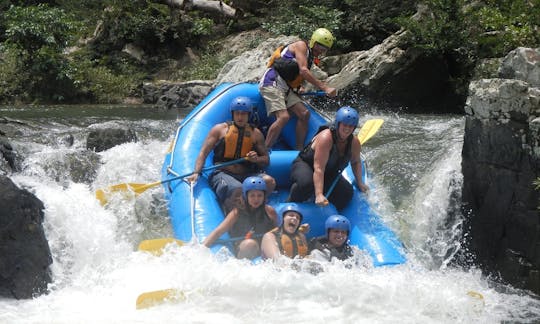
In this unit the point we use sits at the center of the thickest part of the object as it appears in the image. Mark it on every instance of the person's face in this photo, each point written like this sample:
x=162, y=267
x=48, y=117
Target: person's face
x=291, y=221
x=345, y=130
x=241, y=118
x=319, y=50
x=255, y=198
x=337, y=237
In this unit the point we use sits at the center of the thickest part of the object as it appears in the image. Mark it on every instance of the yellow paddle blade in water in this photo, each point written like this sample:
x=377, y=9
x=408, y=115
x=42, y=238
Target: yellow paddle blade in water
x=135, y=188
x=369, y=129
x=153, y=298
x=156, y=246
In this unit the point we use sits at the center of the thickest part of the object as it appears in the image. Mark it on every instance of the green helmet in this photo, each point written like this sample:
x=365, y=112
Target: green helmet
x=322, y=36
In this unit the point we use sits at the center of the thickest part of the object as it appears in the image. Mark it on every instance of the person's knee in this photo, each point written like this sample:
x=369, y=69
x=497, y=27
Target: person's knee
x=248, y=249
x=282, y=118
x=304, y=115
x=270, y=183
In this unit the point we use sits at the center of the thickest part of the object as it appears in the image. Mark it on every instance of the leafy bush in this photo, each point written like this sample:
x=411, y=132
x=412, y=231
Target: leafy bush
x=100, y=84
x=206, y=67
x=35, y=39
x=302, y=20
x=484, y=29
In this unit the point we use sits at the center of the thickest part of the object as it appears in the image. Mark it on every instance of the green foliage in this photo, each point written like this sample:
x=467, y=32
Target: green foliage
x=100, y=84
x=302, y=20
x=202, y=27
x=206, y=67
x=32, y=28
x=35, y=39
x=484, y=29
x=500, y=26
x=440, y=28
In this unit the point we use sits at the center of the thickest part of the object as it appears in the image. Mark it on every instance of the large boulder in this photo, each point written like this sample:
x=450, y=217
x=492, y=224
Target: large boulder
x=501, y=161
x=24, y=250
x=102, y=139
x=399, y=76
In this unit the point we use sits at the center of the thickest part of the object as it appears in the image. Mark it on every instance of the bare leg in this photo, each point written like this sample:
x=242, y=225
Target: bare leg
x=248, y=249
x=301, y=112
x=282, y=117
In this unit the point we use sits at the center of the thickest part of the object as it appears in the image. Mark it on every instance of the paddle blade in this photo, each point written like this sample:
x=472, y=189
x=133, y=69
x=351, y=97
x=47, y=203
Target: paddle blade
x=154, y=298
x=156, y=246
x=369, y=129
x=137, y=188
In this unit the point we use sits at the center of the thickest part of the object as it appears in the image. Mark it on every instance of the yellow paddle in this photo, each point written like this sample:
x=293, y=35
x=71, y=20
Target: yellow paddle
x=152, y=298
x=369, y=129
x=156, y=246
x=138, y=188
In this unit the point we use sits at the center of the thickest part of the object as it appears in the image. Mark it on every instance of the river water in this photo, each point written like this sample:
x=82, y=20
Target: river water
x=415, y=163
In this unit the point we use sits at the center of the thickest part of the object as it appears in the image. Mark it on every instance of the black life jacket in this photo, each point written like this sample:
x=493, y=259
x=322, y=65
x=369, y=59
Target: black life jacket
x=256, y=220
x=335, y=163
x=287, y=68
x=321, y=243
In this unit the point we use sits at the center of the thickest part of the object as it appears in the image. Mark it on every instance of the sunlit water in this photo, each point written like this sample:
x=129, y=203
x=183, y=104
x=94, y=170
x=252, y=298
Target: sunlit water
x=98, y=274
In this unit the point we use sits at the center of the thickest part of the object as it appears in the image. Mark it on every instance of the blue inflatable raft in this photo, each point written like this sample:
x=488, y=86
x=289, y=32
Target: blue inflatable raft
x=198, y=212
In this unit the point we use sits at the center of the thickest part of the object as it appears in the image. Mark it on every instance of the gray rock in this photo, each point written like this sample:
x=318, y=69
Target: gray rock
x=103, y=139
x=25, y=254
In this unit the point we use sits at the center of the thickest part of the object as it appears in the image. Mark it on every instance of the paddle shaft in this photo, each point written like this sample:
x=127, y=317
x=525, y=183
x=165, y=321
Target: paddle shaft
x=209, y=168
x=314, y=93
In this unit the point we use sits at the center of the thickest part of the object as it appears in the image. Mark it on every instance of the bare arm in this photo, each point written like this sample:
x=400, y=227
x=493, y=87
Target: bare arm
x=208, y=145
x=323, y=145
x=271, y=212
x=225, y=226
x=300, y=49
x=269, y=247
x=260, y=155
x=356, y=164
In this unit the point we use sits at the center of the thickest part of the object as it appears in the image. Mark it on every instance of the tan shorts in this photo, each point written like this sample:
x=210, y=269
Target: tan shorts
x=276, y=99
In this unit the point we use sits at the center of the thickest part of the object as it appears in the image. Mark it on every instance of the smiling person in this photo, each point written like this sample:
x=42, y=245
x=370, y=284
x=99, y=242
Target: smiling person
x=287, y=239
x=230, y=141
x=248, y=222
x=287, y=69
x=335, y=243
x=321, y=162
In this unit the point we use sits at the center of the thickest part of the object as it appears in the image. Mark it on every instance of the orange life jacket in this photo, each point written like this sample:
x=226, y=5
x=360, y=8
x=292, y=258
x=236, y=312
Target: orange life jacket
x=236, y=144
x=291, y=245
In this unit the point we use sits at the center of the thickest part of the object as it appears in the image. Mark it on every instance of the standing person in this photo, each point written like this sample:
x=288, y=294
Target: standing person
x=230, y=141
x=286, y=239
x=254, y=218
x=287, y=69
x=335, y=243
x=321, y=162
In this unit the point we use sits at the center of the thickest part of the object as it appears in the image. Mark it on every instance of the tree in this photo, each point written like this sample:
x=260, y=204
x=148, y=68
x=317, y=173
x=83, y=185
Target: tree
x=37, y=36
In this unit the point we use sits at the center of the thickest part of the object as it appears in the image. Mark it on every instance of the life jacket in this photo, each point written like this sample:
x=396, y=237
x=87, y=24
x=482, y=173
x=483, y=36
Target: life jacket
x=287, y=67
x=256, y=221
x=335, y=163
x=236, y=143
x=291, y=245
x=321, y=243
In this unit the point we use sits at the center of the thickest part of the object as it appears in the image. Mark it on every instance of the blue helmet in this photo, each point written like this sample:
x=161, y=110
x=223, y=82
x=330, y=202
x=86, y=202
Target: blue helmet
x=347, y=115
x=337, y=222
x=292, y=207
x=241, y=104
x=253, y=183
